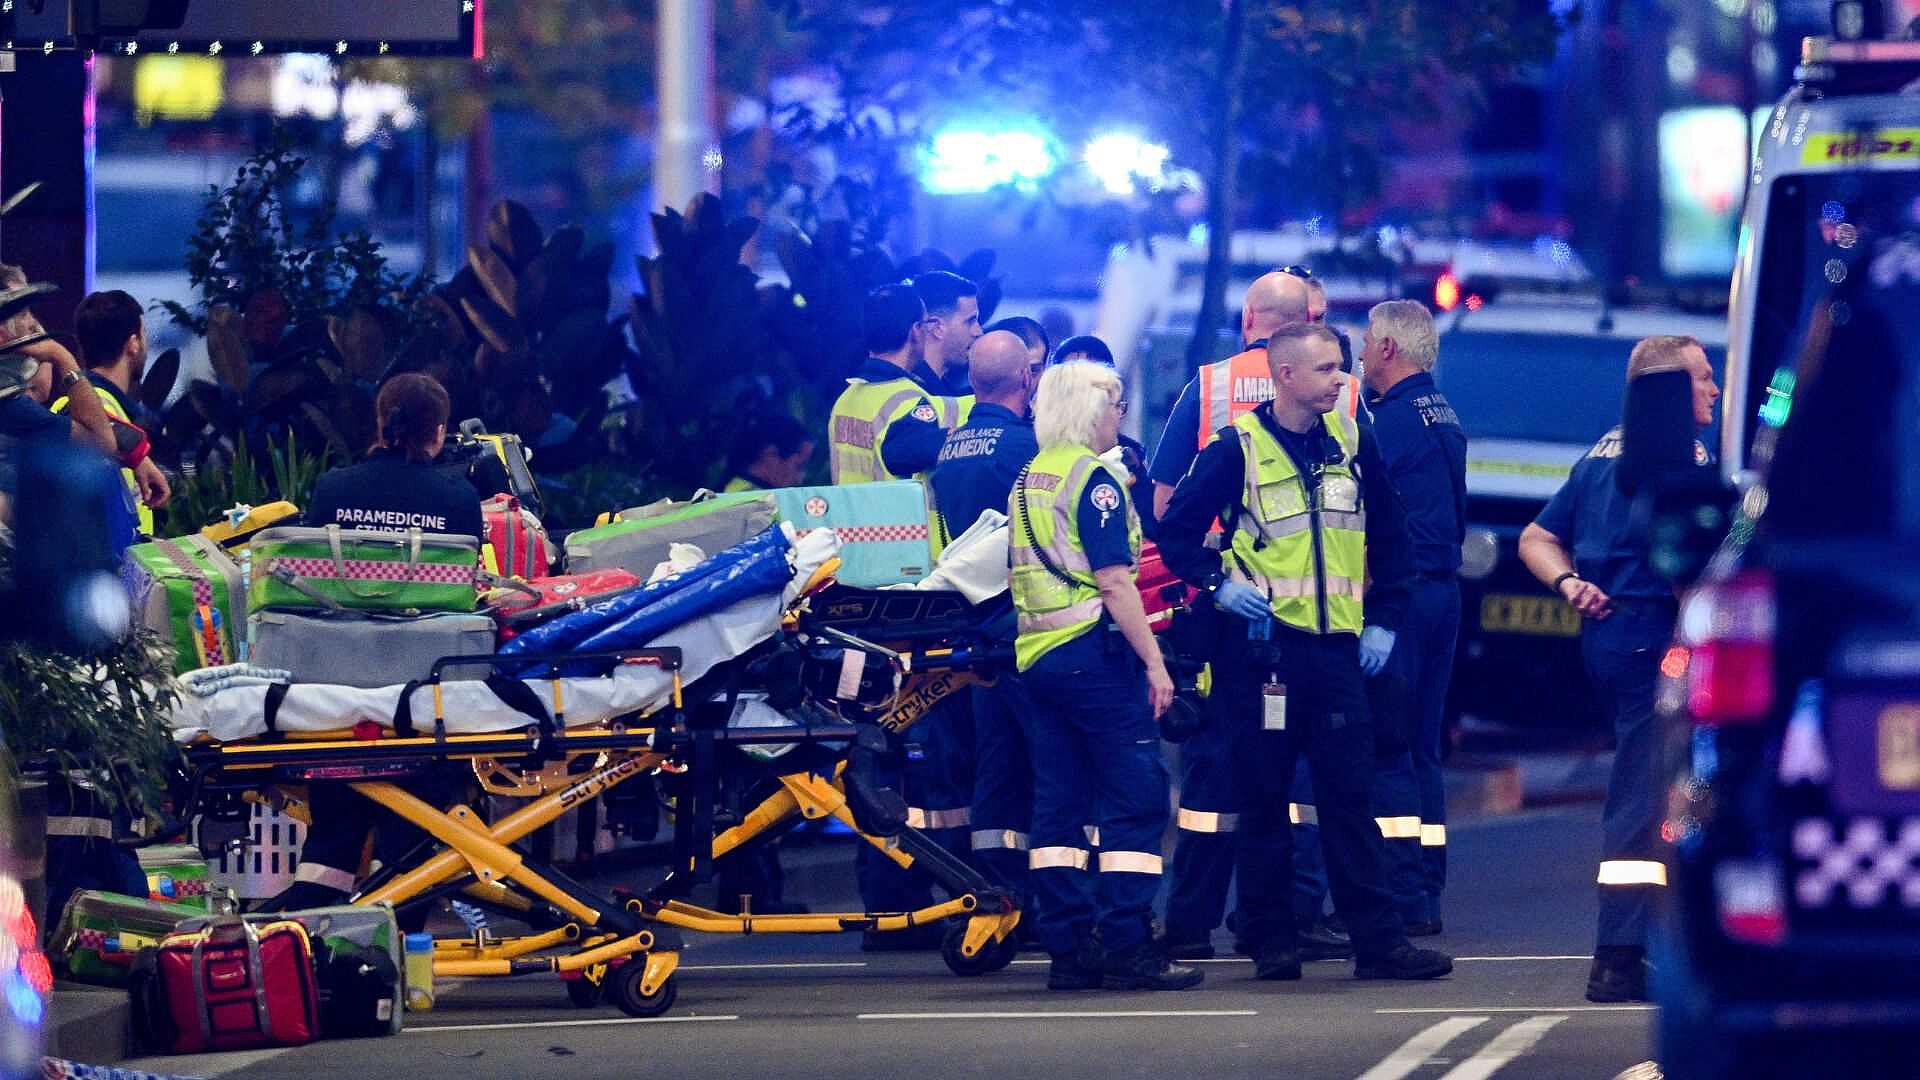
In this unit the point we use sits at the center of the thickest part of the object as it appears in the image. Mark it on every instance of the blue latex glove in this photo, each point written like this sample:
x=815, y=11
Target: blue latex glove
x=1376, y=644
x=1242, y=599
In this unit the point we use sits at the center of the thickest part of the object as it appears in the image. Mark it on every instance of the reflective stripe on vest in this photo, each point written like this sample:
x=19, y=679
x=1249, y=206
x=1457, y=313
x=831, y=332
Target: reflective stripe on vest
x=108, y=402
x=1231, y=388
x=863, y=413
x=952, y=412
x=1306, y=553
x=1052, y=612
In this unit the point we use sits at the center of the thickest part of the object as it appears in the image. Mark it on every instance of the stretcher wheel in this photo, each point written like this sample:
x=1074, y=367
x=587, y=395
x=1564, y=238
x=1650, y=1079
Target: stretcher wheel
x=585, y=993
x=992, y=957
x=624, y=983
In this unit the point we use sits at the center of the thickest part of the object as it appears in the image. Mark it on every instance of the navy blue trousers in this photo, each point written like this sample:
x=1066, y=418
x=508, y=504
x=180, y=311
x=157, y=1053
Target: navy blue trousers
x=1096, y=758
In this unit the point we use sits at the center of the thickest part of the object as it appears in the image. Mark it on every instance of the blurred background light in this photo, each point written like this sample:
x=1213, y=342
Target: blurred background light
x=963, y=160
x=1122, y=161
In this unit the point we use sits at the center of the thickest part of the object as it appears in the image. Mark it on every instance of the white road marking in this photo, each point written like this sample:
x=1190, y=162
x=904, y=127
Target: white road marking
x=777, y=967
x=1249, y=960
x=1458, y=959
x=1100, y=1015
x=1517, y=1009
x=1413, y=1053
x=568, y=1023
x=1505, y=1046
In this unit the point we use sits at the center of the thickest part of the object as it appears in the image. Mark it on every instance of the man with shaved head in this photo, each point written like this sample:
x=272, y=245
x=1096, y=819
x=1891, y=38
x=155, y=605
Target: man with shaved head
x=975, y=473
x=1224, y=390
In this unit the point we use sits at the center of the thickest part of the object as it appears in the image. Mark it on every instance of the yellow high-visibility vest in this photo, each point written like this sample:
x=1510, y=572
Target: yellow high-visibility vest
x=1044, y=516
x=112, y=405
x=1303, y=546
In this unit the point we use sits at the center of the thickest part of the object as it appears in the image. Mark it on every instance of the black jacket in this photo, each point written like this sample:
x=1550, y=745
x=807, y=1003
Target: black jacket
x=386, y=491
x=1214, y=488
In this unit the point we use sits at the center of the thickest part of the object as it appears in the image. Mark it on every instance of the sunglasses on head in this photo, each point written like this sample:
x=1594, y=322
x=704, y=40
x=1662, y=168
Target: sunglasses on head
x=1301, y=272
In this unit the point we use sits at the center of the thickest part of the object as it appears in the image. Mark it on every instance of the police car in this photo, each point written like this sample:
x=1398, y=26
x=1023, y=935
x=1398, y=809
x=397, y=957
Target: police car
x=1537, y=378
x=1791, y=944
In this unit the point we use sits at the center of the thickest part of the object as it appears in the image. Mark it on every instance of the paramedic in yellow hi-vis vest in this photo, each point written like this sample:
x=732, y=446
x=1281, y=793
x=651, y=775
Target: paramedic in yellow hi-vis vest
x=889, y=424
x=1310, y=515
x=1098, y=683
x=113, y=346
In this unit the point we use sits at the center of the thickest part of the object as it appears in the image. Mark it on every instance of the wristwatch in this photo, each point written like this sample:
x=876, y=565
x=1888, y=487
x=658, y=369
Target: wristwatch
x=1562, y=580
x=70, y=378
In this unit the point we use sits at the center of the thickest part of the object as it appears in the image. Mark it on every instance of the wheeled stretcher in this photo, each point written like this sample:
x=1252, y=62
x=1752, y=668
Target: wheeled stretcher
x=559, y=741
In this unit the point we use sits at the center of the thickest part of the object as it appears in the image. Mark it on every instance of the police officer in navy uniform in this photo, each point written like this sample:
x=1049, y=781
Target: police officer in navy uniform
x=1425, y=451
x=1317, y=562
x=976, y=472
x=1585, y=547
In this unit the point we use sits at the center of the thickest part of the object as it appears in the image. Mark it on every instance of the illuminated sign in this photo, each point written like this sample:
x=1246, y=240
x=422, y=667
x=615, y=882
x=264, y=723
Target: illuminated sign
x=254, y=28
x=1703, y=169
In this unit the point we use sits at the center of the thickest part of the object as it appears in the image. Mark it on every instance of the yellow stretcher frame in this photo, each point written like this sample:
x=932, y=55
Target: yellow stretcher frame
x=596, y=957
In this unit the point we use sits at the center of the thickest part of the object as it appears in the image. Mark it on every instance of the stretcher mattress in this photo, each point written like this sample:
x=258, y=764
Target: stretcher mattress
x=238, y=712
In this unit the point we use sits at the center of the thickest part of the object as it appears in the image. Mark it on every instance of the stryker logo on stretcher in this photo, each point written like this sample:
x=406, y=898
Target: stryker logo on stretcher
x=388, y=519
x=922, y=695
x=599, y=781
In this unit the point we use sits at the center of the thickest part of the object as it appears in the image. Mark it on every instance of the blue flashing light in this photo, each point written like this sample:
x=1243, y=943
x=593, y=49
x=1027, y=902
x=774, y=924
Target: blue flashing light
x=965, y=160
x=25, y=1001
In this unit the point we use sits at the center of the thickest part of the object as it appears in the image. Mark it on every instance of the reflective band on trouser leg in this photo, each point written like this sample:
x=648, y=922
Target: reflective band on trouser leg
x=1632, y=872
x=1433, y=835
x=1057, y=858
x=1303, y=814
x=1399, y=828
x=1207, y=821
x=1129, y=862
x=999, y=840
x=324, y=875
x=918, y=818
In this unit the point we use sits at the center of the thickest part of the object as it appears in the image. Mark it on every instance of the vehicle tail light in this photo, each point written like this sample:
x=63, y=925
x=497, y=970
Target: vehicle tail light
x=1752, y=908
x=1446, y=292
x=1727, y=628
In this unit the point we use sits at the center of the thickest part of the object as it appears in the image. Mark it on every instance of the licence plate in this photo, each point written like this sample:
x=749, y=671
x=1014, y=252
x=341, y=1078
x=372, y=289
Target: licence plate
x=1898, y=747
x=1548, y=616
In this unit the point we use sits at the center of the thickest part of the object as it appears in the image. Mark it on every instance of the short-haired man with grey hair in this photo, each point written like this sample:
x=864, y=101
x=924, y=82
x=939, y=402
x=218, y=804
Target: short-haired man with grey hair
x=1425, y=452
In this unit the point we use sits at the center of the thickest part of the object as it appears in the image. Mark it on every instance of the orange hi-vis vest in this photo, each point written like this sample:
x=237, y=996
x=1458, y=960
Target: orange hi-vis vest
x=1231, y=388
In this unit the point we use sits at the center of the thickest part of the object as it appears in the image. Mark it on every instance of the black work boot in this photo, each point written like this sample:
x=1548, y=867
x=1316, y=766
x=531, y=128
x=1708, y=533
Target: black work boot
x=1146, y=967
x=1080, y=969
x=1404, y=962
x=1619, y=974
x=1322, y=942
x=1276, y=963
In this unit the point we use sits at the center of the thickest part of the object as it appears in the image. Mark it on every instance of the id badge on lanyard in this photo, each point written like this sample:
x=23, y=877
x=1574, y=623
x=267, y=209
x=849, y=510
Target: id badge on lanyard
x=1273, y=705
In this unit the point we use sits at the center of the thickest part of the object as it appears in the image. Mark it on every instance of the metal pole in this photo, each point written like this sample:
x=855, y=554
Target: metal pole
x=686, y=158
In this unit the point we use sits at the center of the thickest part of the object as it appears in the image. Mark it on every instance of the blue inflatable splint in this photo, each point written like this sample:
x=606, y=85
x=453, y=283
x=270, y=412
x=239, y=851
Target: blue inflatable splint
x=633, y=619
